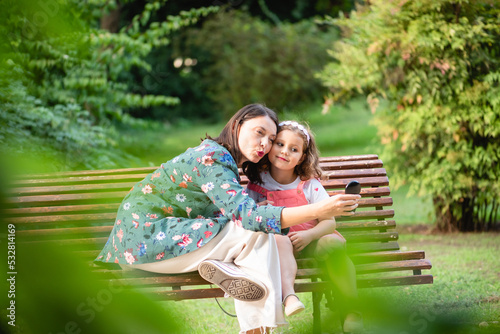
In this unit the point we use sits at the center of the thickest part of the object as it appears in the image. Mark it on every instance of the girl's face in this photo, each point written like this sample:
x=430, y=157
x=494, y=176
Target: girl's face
x=255, y=138
x=287, y=151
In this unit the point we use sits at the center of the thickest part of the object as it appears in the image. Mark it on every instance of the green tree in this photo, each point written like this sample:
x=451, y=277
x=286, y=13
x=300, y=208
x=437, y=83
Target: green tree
x=62, y=67
x=249, y=60
x=435, y=67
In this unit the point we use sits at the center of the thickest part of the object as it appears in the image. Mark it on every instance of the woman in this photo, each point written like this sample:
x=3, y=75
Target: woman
x=192, y=213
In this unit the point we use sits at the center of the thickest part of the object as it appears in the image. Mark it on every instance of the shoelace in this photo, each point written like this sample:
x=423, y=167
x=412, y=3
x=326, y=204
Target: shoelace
x=225, y=296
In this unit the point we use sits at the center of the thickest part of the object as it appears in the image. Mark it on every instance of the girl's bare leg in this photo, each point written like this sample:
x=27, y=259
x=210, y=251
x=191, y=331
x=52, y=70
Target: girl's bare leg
x=288, y=267
x=342, y=272
x=339, y=266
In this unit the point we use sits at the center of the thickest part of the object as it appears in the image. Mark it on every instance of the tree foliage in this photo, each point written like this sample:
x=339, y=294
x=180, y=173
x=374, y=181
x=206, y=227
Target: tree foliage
x=62, y=74
x=249, y=60
x=431, y=73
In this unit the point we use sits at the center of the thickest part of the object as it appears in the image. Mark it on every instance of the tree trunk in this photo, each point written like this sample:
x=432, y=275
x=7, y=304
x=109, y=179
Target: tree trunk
x=465, y=216
x=445, y=220
x=110, y=22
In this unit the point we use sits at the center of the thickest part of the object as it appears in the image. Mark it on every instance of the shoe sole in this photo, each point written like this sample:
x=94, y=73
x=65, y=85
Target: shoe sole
x=294, y=309
x=237, y=287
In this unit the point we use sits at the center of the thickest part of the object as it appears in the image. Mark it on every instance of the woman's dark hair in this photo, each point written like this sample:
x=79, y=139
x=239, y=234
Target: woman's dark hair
x=229, y=135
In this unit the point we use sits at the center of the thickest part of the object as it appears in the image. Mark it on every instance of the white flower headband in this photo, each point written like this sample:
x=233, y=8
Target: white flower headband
x=299, y=126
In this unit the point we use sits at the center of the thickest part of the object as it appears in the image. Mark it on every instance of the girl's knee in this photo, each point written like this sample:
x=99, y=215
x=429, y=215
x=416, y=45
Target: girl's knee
x=330, y=244
x=283, y=242
x=334, y=241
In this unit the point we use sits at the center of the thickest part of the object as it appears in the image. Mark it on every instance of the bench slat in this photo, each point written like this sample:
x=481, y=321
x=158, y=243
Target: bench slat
x=111, y=207
x=371, y=247
x=386, y=242
x=365, y=192
x=54, y=232
x=373, y=214
x=365, y=225
x=70, y=198
x=91, y=218
x=395, y=281
x=26, y=191
x=75, y=180
x=393, y=266
x=364, y=181
x=388, y=266
x=348, y=158
x=299, y=287
x=377, y=202
x=365, y=237
x=351, y=164
x=387, y=256
x=360, y=258
x=218, y=293
x=101, y=172
x=354, y=173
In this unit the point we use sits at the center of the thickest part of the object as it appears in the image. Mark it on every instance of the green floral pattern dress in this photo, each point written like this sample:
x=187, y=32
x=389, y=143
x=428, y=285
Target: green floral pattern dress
x=182, y=206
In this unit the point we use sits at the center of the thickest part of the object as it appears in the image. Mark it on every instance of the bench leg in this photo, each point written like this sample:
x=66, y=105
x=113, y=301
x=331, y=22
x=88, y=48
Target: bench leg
x=317, y=312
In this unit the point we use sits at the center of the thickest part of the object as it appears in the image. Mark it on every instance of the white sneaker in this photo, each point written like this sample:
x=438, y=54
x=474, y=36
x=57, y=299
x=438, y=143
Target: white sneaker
x=293, y=308
x=353, y=323
x=232, y=280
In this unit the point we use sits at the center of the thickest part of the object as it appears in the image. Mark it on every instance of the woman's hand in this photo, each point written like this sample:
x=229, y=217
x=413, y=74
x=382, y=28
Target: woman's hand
x=338, y=205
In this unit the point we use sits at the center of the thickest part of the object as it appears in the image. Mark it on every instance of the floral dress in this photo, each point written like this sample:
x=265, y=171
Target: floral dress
x=182, y=206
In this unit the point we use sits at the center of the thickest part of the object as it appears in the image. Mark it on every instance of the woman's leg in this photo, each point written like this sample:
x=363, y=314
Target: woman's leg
x=256, y=254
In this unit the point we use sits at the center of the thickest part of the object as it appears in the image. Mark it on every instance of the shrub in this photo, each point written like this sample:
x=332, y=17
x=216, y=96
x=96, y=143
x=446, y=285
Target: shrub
x=62, y=75
x=436, y=65
x=249, y=60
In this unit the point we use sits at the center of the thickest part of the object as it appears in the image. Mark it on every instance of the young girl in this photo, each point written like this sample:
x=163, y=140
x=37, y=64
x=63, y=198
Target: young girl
x=289, y=178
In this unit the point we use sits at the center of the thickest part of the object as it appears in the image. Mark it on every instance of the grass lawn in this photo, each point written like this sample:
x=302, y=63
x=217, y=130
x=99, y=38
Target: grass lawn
x=465, y=296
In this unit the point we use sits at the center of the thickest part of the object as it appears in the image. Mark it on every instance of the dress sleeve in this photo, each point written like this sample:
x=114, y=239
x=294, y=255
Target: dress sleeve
x=219, y=180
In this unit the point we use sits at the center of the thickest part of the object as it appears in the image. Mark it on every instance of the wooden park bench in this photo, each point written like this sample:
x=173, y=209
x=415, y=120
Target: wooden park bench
x=79, y=208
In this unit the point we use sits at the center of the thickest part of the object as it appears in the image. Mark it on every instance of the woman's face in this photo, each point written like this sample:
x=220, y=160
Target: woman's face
x=255, y=138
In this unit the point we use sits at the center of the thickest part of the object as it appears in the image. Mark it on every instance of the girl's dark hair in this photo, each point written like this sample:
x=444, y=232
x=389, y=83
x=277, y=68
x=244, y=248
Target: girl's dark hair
x=229, y=135
x=309, y=168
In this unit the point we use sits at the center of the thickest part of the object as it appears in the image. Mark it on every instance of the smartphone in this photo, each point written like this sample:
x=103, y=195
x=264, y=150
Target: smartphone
x=353, y=187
